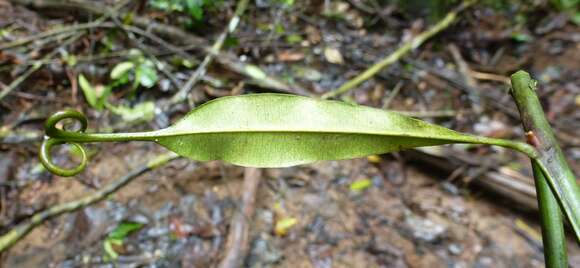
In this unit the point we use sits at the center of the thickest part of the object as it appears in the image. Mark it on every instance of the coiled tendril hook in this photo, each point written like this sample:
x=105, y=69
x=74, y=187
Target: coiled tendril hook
x=55, y=136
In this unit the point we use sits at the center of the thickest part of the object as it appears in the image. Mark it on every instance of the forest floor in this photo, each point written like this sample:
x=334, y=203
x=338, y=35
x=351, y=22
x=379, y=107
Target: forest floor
x=450, y=206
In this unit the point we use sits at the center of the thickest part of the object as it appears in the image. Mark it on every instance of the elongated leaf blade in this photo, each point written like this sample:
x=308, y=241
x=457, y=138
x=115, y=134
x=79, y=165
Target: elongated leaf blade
x=276, y=130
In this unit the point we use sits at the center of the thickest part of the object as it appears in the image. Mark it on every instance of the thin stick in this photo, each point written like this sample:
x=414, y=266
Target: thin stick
x=399, y=53
x=181, y=95
x=540, y=135
x=35, y=67
x=39, y=64
x=465, y=71
x=20, y=230
x=178, y=35
x=490, y=98
x=63, y=30
x=238, y=239
x=49, y=33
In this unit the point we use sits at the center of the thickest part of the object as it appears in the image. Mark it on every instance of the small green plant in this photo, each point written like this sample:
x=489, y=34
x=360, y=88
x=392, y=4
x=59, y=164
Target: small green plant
x=277, y=130
x=116, y=238
x=195, y=8
x=138, y=71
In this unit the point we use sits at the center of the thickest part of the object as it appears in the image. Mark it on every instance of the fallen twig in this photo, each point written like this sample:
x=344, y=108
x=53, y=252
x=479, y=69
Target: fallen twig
x=511, y=185
x=20, y=230
x=238, y=239
x=491, y=98
x=228, y=61
x=181, y=95
x=465, y=71
x=49, y=33
x=81, y=28
x=399, y=53
x=16, y=82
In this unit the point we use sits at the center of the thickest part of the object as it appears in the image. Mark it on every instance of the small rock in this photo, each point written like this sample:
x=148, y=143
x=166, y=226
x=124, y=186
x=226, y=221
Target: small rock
x=455, y=249
x=333, y=55
x=424, y=229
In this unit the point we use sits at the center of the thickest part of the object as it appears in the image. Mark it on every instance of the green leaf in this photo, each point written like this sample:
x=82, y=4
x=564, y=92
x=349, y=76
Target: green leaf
x=141, y=112
x=102, y=98
x=117, y=236
x=564, y=5
x=111, y=253
x=255, y=72
x=120, y=69
x=360, y=185
x=522, y=37
x=576, y=18
x=146, y=74
x=276, y=130
x=195, y=8
x=88, y=91
x=283, y=226
x=123, y=230
x=279, y=28
x=293, y=39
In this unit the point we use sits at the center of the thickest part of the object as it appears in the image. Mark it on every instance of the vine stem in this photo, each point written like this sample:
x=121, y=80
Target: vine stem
x=555, y=181
x=553, y=236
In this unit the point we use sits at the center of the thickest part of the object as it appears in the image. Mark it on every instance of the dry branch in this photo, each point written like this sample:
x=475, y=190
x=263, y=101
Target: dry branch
x=20, y=230
x=399, y=53
x=238, y=239
x=215, y=49
x=173, y=33
x=514, y=187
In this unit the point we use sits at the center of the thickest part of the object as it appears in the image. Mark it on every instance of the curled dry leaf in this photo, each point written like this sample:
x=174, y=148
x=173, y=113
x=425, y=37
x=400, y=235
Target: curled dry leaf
x=333, y=55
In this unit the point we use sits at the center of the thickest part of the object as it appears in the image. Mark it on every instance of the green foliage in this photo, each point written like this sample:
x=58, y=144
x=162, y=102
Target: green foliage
x=293, y=39
x=117, y=237
x=145, y=74
x=96, y=96
x=565, y=5
x=138, y=70
x=576, y=18
x=88, y=91
x=121, y=69
x=570, y=7
x=286, y=3
x=195, y=8
x=360, y=185
x=141, y=112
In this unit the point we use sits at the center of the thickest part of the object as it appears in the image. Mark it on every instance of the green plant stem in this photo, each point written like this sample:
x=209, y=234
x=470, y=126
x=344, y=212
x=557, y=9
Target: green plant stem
x=20, y=230
x=553, y=236
x=550, y=157
x=399, y=53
